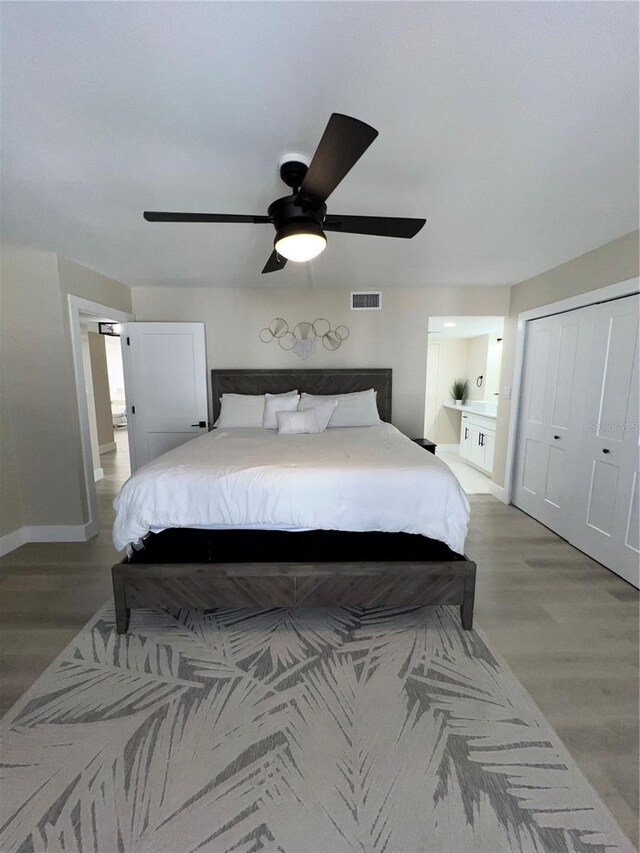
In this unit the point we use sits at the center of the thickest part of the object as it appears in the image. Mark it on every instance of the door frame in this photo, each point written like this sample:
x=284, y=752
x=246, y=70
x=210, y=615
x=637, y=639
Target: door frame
x=581, y=300
x=103, y=313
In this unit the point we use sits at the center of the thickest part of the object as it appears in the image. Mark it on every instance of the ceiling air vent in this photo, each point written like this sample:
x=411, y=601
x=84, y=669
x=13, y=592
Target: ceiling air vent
x=366, y=300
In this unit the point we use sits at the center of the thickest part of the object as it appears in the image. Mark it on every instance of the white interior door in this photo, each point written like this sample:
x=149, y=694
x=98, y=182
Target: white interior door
x=606, y=521
x=165, y=368
x=554, y=382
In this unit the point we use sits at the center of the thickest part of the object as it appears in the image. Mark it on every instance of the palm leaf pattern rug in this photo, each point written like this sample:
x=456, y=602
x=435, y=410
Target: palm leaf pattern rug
x=289, y=730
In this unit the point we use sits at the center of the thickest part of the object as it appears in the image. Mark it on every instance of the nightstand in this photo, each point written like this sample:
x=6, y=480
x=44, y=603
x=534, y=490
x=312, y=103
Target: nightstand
x=427, y=444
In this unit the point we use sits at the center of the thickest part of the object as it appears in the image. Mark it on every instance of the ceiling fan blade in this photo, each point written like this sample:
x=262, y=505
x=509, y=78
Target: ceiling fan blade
x=164, y=216
x=275, y=262
x=378, y=226
x=343, y=143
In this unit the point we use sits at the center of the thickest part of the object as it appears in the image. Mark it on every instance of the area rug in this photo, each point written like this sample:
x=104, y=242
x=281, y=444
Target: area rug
x=289, y=730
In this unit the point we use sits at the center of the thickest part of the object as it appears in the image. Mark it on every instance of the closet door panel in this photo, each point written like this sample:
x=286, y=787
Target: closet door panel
x=555, y=485
x=617, y=377
x=562, y=392
x=632, y=533
x=601, y=504
x=539, y=374
x=605, y=524
x=554, y=383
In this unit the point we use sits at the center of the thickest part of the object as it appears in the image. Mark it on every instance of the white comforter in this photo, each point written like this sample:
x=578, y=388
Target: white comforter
x=369, y=478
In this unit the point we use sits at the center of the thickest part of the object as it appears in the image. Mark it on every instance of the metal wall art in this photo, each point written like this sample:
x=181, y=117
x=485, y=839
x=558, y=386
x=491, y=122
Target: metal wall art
x=302, y=339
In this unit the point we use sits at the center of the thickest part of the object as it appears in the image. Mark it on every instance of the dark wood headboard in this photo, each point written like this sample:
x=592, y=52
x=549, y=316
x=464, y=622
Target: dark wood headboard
x=309, y=381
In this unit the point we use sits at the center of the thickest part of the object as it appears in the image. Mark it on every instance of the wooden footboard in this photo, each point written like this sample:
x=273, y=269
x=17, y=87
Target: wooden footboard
x=293, y=584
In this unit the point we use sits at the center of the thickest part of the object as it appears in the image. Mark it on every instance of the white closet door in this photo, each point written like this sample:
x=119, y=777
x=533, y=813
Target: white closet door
x=554, y=381
x=606, y=521
x=166, y=386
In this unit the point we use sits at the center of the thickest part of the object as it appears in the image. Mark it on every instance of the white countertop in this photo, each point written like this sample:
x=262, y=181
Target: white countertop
x=487, y=410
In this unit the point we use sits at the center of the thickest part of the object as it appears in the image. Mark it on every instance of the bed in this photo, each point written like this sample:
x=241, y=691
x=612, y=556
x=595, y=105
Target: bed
x=249, y=518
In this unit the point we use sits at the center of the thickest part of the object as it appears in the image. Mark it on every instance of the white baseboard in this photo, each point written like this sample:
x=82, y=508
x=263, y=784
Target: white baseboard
x=448, y=448
x=498, y=492
x=98, y=474
x=10, y=541
x=46, y=533
x=107, y=448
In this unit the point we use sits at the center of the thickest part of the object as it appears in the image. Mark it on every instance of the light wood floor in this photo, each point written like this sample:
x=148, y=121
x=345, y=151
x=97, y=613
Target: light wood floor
x=567, y=627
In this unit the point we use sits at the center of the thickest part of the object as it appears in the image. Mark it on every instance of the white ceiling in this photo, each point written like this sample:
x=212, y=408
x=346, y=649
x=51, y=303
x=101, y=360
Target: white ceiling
x=512, y=127
x=463, y=327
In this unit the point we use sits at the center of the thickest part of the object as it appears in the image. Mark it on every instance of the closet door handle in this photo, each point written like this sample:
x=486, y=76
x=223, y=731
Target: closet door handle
x=466, y=432
x=605, y=450
x=556, y=437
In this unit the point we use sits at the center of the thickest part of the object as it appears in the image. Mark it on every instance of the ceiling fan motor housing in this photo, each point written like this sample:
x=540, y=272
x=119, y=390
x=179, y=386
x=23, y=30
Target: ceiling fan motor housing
x=291, y=208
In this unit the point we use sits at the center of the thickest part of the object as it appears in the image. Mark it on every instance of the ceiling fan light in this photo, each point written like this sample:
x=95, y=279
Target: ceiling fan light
x=300, y=241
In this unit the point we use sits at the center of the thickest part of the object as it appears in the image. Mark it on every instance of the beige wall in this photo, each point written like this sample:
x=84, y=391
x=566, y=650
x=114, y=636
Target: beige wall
x=611, y=263
x=442, y=425
x=395, y=337
x=477, y=349
x=494, y=361
x=39, y=394
x=11, y=509
x=101, y=393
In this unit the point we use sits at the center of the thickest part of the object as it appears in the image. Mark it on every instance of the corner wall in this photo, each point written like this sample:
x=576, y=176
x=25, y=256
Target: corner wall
x=43, y=460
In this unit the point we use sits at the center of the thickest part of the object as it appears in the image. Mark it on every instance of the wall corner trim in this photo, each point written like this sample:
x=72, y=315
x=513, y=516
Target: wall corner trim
x=46, y=533
x=10, y=541
x=498, y=492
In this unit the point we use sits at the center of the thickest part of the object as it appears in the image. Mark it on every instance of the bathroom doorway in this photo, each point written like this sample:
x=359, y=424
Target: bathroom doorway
x=464, y=356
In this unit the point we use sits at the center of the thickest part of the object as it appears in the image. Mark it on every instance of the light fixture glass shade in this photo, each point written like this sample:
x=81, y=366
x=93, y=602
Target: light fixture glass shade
x=300, y=241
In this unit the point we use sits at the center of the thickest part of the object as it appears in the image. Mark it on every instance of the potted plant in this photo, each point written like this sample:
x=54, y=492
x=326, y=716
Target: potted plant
x=459, y=391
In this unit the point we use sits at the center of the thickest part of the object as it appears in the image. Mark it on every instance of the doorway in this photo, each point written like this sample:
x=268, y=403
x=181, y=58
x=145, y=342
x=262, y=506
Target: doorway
x=105, y=452
x=464, y=351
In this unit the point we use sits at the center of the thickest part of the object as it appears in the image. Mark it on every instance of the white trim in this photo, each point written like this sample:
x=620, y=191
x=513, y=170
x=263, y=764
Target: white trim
x=448, y=448
x=498, y=492
x=107, y=448
x=581, y=300
x=46, y=533
x=98, y=474
x=58, y=533
x=10, y=541
x=78, y=306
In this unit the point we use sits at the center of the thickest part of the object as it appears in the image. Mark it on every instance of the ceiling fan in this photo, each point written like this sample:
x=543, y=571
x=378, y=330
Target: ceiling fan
x=300, y=219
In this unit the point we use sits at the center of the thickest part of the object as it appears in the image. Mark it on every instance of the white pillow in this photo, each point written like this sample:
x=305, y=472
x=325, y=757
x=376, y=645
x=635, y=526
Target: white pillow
x=310, y=420
x=278, y=403
x=244, y=410
x=354, y=410
x=240, y=410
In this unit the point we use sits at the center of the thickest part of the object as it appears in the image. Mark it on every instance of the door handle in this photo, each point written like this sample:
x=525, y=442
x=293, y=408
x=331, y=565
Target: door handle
x=466, y=432
x=556, y=436
x=200, y=424
x=605, y=450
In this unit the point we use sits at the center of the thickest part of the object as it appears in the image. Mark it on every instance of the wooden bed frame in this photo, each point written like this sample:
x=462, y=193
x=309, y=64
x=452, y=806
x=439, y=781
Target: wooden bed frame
x=240, y=568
